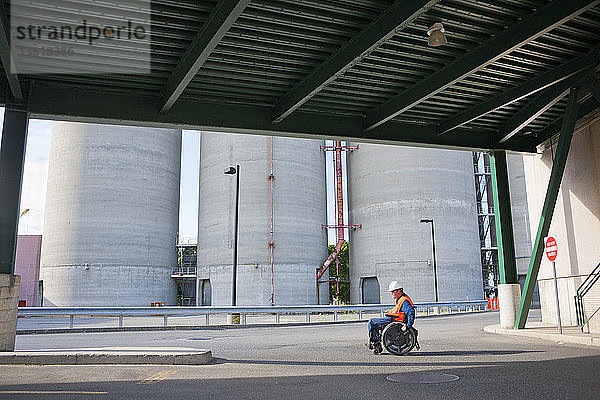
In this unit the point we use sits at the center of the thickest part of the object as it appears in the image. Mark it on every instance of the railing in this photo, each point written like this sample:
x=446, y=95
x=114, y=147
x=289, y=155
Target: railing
x=485, y=170
x=184, y=270
x=243, y=311
x=582, y=290
x=485, y=209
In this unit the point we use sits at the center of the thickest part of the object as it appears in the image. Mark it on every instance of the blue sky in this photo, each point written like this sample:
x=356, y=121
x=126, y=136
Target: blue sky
x=33, y=194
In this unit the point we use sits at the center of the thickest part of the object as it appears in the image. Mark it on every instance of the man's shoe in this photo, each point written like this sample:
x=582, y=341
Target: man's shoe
x=369, y=345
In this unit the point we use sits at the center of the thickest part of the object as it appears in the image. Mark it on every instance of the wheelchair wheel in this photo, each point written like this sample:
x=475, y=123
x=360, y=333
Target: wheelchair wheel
x=397, y=342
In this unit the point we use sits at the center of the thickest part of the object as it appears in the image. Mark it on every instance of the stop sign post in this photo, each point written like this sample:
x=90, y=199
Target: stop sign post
x=551, y=251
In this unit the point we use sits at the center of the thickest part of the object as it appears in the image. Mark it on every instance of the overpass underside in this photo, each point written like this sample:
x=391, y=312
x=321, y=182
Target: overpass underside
x=510, y=78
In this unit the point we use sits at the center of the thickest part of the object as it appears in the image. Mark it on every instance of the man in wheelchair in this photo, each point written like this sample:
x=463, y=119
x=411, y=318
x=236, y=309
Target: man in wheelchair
x=404, y=311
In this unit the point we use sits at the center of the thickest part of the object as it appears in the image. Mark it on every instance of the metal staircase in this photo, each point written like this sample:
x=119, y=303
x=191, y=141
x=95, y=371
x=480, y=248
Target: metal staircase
x=582, y=290
x=486, y=222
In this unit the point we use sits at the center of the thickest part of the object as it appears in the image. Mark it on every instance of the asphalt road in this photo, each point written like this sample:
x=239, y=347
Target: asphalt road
x=317, y=362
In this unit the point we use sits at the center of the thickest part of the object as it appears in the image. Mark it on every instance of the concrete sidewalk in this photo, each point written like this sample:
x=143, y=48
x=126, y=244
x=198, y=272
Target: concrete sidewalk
x=539, y=330
x=109, y=355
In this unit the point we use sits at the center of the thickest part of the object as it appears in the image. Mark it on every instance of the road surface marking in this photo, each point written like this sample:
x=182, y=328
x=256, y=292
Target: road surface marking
x=161, y=376
x=48, y=392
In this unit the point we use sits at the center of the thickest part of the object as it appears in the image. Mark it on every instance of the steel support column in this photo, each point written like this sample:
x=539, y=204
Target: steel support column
x=12, y=157
x=503, y=215
x=558, y=168
x=6, y=57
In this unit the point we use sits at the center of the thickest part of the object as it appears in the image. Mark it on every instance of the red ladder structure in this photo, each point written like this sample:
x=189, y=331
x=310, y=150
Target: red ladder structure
x=338, y=148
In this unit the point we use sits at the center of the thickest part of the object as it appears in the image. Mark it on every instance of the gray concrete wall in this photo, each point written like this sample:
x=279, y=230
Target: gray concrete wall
x=520, y=212
x=299, y=211
x=390, y=189
x=111, y=218
x=9, y=296
x=576, y=220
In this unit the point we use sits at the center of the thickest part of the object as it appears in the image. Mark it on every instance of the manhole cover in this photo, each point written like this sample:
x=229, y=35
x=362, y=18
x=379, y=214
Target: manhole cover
x=422, y=377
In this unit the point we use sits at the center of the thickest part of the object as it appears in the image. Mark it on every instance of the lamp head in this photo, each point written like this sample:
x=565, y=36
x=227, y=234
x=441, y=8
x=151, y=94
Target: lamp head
x=230, y=171
x=436, y=35
x=426, y=220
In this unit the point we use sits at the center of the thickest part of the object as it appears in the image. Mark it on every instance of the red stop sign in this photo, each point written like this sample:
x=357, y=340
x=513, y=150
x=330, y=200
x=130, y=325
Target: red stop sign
x=551, y=248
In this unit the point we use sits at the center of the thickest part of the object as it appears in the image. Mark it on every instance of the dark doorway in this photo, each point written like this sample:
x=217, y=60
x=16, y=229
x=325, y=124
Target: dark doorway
x=370, y=290
x=206, y=292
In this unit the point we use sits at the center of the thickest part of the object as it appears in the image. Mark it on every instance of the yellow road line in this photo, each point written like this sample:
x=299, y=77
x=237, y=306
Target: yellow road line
x=48, y=392
x=161, y=376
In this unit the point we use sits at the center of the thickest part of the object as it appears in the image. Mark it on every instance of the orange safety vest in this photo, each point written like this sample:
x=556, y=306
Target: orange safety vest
x=396, y=312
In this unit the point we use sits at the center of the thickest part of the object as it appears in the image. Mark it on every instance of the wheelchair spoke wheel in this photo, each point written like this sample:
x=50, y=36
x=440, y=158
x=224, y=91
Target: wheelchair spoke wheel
x=397, y=342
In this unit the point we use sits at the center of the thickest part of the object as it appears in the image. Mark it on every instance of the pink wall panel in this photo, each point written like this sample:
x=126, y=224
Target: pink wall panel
x=27, y=265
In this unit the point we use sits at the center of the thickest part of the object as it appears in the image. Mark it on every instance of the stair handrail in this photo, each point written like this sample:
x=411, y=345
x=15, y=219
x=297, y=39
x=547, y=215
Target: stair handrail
x=581, y=291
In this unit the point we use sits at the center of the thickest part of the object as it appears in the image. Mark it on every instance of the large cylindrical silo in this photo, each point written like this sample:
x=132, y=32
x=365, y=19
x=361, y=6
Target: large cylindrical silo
x=298, y=210
x=391, y=189
x=111, y=218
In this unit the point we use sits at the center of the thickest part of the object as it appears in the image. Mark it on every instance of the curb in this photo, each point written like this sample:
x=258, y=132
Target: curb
x=104, y=356
x=209, y=327
x=555, y=337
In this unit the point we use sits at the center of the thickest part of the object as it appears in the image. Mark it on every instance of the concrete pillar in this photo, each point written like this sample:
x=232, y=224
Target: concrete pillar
x=559, y=160
x=509, y=298
x=575, y=223
x=9, y=297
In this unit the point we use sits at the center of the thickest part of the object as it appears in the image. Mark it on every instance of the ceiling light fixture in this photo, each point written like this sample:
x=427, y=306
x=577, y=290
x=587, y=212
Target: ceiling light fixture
x=436, y=35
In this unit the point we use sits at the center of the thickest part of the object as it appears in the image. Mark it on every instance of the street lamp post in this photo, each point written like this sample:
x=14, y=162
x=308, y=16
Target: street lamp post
x=235, y=171
x=435, y=280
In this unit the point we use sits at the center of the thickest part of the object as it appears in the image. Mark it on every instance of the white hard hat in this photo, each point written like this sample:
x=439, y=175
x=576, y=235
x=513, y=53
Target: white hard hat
x=394, y=285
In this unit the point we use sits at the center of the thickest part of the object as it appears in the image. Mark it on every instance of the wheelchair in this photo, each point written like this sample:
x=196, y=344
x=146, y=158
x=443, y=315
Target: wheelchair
x=397, y=342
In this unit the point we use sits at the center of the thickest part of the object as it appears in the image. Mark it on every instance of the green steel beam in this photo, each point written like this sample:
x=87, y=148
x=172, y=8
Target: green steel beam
x=558, y=168
x=531, y=86
x=503, y=217
x=585, y=109
x=536, y=106
x=538, y=23
x=76, y=103
x=520, y=141
x=221, y=19
x=6, y=58
x=396, y=18
x=12, y=157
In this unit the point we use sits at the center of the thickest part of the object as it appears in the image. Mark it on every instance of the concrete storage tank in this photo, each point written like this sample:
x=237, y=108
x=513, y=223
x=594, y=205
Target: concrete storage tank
x=111, y=219
x=299, y=210
x=391, y=189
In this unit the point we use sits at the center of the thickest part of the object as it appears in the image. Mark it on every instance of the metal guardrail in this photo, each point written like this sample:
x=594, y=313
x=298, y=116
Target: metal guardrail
x=166, y=312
